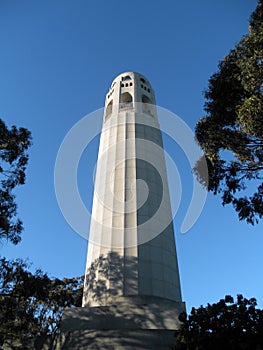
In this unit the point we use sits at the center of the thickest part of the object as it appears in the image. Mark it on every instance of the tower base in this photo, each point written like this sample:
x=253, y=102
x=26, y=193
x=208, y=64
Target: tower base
x=125, y=339
x=130, y=323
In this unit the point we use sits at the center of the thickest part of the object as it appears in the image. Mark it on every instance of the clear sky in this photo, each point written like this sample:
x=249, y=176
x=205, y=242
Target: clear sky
x=58, y=59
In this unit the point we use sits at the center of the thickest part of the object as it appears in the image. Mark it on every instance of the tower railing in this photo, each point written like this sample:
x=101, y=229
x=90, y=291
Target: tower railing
x=125, y=105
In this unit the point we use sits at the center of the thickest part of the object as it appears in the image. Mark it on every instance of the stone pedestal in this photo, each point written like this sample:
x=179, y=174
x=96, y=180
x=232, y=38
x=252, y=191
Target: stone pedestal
x=130, y=323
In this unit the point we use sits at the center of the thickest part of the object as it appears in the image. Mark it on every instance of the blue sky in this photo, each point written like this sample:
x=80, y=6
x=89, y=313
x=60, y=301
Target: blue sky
x=58, y=59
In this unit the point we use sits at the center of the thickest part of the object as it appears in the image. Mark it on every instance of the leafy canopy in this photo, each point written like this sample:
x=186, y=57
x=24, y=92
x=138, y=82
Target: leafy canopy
x=14, y=144
x=31, y=304
x=225, y=325
x=234, y=123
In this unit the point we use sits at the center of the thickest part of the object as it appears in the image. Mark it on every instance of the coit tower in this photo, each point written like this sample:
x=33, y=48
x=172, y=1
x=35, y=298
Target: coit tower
x=132, y=295
x=131, y=215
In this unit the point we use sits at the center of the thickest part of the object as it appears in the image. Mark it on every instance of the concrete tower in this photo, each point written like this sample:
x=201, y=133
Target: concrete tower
x=132, y=295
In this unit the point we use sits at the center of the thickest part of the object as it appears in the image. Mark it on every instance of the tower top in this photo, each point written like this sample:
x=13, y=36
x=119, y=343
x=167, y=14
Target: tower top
x=126, y=90
x=129, y=76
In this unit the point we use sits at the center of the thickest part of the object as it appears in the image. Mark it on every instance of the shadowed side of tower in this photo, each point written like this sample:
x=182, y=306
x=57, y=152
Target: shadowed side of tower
x=132, y=294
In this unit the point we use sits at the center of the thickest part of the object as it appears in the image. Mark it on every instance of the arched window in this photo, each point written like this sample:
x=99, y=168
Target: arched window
x=108, y=110
x=142, y=80
x=147, y=105
x=126, y=101
x=126, y=78
x=146, y=99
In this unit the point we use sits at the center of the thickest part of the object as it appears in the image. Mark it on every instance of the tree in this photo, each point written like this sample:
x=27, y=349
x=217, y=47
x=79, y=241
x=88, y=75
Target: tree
x=225, y=325
x=31, y=304
x=231, y=134
x=14, y=143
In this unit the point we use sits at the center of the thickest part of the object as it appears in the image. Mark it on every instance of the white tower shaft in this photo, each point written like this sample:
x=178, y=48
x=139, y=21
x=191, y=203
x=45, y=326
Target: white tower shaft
x=131, y=244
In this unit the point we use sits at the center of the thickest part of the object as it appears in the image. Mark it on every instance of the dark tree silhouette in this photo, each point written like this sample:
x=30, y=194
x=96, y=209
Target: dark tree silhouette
x=14, y=144
x=31, y=304
x=224, y=325
x=234, y=123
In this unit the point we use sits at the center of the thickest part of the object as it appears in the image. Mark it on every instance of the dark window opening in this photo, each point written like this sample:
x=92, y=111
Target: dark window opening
x=108, y=110
x=126, y=101
x=126, y=78
x=146, y=99
x=147, y=106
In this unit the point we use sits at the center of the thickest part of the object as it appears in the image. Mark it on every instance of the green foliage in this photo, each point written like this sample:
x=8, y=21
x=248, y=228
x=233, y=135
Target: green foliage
x=13, y=160
x=31, y=304
x=225, y=325
x=234, y=123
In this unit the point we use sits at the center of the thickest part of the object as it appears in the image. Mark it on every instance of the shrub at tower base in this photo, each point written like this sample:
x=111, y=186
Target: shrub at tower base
x=31, y=304
x=223, y=325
